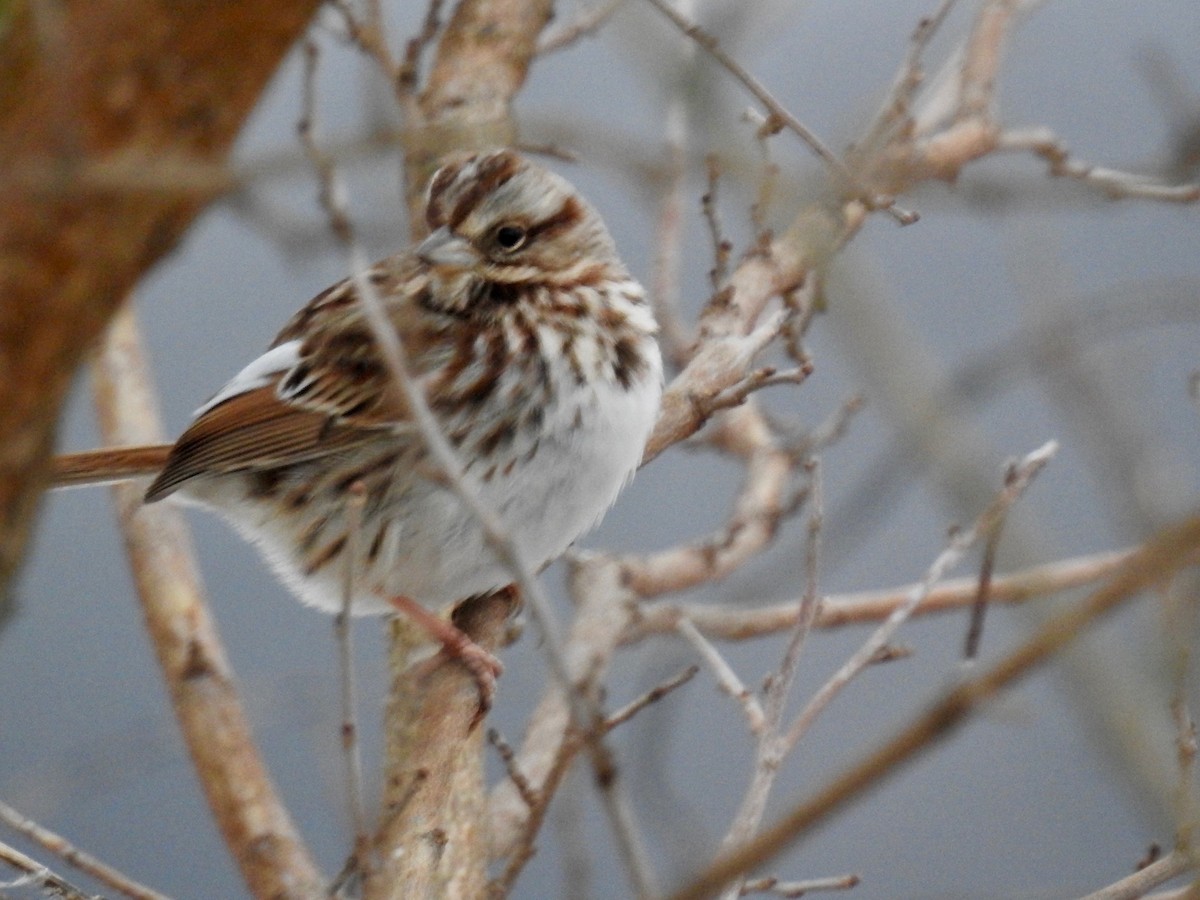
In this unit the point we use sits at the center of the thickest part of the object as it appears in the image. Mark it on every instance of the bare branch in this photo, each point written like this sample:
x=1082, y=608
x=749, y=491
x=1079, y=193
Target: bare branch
x=954, y=122
x=585, y=23
x=367, y=30
x=839, y=610
x=727, y=679
x=73, y=856
x=509, y=757
x=408, y=75
x=519, y=847
x=1115, y=184
x=780, y=117
x=37, y=874
x=725, y=351
x=675, y=337
x=255, y=825
x=652, y=696
x=1161, y=557
x=780, y=888
x=1146, y=879
x=344, y=637
x=979, y=606
x=770, y=751
x=1019, y=478
x=721, y=246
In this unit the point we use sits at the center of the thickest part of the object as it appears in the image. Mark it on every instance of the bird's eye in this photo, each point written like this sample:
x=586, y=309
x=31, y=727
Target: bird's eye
x=510, y=237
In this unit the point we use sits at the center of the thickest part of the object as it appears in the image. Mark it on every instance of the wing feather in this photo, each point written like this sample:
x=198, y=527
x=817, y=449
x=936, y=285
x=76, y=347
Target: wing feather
x=320, y=388
x=253, y=430
x=338, y=369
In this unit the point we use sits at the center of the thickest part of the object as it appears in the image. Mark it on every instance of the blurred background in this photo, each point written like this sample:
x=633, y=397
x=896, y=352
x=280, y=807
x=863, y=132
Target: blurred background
x=1018, y=309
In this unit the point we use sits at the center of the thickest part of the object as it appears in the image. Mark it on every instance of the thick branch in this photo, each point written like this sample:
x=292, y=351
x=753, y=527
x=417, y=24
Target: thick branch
x=481, y=63
x=432, y=833
x=102, y=82
x=254, y=823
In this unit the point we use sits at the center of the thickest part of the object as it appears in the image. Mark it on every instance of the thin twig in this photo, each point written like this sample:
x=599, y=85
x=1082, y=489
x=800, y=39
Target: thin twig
x=369, y=32
x=756, y=380
x=73, y=856
x=979, y=607
x=727, y=679
x=675, y=337
x=343, y=631
x=1161, y=557
x=509, y=757
x=1146, y=879
x=799, y=888
x=409, y=72
x=764, y=193
x=602, y=607
x=585, y=23
x=896, y=111
x=769, y=750
x=830, y=430
x=721, y=245
x=1115, y=184
x=1021, y=475
x=521, y=849
x=810, y=602
x=36, y=873
x=655, y=694
x=778, y=112
x=1185, y=753
x=1178, y=624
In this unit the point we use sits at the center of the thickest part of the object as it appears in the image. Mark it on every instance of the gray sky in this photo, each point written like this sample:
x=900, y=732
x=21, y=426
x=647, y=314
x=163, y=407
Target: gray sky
x=1031, y=800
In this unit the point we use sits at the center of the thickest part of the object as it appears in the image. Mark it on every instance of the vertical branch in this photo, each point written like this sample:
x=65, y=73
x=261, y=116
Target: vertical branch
x=665, y=280
x=343, y=630
x=432, y=839
x=770, y=751
x=481, y=62
x=253, y=822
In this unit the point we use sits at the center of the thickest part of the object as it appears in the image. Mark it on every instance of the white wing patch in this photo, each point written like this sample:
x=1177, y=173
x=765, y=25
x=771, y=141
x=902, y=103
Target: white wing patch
x=258, y=373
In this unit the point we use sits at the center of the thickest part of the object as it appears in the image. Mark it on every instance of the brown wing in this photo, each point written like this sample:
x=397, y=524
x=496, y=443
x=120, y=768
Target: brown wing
x=338, y=393
x=254, y=430
x=340, y=371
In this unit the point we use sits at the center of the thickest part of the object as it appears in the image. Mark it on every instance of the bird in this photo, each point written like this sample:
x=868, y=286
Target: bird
x=536, y=352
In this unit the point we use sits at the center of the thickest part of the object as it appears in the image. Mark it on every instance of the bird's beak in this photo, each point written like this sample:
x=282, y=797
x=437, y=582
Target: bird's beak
x=446, y=250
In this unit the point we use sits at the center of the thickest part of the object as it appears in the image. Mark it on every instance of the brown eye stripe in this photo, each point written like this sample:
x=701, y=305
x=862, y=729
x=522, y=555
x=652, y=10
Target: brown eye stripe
x=568, y=216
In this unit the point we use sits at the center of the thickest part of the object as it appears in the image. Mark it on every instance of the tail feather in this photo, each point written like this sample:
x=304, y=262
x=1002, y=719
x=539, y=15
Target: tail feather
x=109, y=464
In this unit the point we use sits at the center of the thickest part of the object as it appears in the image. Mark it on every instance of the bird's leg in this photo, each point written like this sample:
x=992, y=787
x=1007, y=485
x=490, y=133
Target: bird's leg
x=484, y=667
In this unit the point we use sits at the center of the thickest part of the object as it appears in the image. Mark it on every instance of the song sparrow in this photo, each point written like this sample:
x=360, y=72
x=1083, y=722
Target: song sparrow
x=536, y=351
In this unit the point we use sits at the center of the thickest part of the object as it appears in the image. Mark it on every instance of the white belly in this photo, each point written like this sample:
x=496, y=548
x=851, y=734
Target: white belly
x=434, y=552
